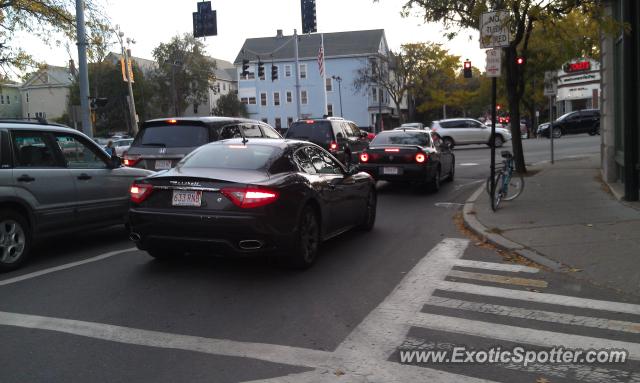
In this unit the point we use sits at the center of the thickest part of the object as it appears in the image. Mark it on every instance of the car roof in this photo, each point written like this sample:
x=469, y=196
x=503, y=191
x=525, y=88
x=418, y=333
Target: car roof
x=28, y=125
x=282, y=143
x=455, y=119
x=210, y=119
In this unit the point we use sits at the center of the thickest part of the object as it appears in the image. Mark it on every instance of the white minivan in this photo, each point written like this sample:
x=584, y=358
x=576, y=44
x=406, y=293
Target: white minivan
x=467, y=131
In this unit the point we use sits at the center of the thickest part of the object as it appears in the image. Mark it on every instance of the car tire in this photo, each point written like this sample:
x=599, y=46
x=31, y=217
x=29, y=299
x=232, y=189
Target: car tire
x=15, y=239
x=498, y=141
x=307, y=241
x=449, y=141
x=452, y=172
x=434, y=185
x=557, y=132
x=370, y=215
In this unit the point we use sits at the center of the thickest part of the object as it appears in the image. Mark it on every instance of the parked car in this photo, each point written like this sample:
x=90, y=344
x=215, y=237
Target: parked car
x=162, y=143
x=413, y=125
x=467, y=131
x=55, y=180
x=409, y=155
x=251, y=197
x=579, y=121
x=541, y=128
x=341, y=137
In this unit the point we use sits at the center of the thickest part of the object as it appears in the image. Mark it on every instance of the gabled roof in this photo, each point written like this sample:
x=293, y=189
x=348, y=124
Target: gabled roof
x=353, y=43
x=224, y=70
x=50, y=76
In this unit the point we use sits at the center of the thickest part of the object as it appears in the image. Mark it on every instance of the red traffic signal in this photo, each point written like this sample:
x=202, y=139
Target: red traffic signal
x=467, y=69
x=520, y=60
x=467, y=64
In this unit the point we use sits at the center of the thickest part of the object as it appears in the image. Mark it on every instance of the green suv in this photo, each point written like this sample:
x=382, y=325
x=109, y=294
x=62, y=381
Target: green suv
x=54, y=180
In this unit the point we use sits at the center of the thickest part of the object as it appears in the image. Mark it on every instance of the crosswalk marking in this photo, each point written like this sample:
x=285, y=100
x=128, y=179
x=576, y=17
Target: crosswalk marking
x=562, y=300
x=519, y=334
x=496, y=266
x=538, y=315
x=498, y=279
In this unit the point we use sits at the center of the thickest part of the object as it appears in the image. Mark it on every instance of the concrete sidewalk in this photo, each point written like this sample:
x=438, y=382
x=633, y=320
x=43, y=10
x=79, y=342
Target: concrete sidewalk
x=566, y=219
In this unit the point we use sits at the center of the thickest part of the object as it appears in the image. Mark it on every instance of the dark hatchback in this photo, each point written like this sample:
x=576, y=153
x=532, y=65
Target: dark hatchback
x=281, y=197
x=341, y=137
x=162, y=143
x=416, y=156
x=576, y=122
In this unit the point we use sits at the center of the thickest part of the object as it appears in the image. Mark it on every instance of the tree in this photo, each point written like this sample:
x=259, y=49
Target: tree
x=184, y=75
x=524, y=15
x=229, y=105
x=46, y=20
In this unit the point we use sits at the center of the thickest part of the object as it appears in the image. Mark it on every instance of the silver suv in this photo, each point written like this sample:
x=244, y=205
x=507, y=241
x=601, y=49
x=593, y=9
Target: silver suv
x=467, y=131
x=53, y=180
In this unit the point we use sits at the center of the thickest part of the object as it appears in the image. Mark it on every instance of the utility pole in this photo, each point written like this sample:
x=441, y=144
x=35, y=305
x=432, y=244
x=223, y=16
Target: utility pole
x=339, y=80
x=83, y=71
x=127, y=65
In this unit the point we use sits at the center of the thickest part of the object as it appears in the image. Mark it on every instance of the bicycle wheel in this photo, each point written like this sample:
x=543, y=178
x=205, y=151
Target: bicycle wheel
x=516, y=185
x=488, y=183
x=497, y=198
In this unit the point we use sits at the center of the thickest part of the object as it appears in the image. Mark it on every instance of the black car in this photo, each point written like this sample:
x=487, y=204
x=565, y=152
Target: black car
x=579, y=121
x=416, y=156
x=340, y=137
x=161, y=143
x=251, y=196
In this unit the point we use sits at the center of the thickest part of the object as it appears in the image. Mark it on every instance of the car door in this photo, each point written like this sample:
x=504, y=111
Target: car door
x=334, y=188
x=40, y=178
x=101, y=195
x=444, y=153
x=458, y=130
x=572, y=123
x=477, y=132
x=361, y=142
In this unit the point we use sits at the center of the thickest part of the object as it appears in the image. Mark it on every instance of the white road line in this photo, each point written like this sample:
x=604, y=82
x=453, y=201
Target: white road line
x=495, y=266
x=498, y=279
x=468, y=164
x=538, y=315
x=562, y=300
x=520, y=335
x=39, y=273
x=267, y=352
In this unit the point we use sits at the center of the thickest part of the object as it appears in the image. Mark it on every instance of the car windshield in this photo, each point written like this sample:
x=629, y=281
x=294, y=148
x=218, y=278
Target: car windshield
x=173, y=136
x=401, y=138
x=564, y=116
x=315, y=131
x=232, y=156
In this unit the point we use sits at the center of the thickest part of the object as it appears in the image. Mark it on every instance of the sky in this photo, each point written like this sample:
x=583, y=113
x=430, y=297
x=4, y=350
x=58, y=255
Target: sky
x=151, y=22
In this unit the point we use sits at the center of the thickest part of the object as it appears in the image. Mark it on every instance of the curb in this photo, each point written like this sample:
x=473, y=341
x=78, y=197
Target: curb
x=473, y=224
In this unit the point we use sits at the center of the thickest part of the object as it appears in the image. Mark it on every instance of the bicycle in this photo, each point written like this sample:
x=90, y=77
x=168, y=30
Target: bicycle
x=507, y=186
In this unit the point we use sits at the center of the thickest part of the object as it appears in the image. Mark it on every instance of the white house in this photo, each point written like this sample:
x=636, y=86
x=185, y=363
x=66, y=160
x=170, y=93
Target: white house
x=46, y=93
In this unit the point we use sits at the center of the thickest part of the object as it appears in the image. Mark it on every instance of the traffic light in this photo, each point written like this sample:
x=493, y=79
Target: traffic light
x=245, y=67
x=520, y=60
x=274, y=72
x=308, y=9
x=467, y=69
x=260, y=69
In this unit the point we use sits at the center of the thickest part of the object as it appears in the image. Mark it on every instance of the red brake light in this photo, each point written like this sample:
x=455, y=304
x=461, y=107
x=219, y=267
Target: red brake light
x=364, y=157
x=248, y=198
x=333, y=145
x=139, y=192
x=309, y=121
x=421, y=158
x=130, y=160
x=392, y=150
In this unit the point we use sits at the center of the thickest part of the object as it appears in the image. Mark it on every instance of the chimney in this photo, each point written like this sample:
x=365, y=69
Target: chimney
x=279, y=34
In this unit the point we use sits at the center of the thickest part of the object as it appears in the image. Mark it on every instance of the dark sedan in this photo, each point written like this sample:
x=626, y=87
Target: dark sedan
x=409, y=155
x=274, y=196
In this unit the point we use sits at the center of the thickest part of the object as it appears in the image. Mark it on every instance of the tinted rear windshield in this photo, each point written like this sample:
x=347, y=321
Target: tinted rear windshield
x=317, y=131
x=402, y=138
x=173, y=136
x=228, y=156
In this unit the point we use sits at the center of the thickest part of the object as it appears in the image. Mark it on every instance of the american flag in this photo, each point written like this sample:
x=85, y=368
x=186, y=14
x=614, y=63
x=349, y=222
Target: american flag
x=321, y=60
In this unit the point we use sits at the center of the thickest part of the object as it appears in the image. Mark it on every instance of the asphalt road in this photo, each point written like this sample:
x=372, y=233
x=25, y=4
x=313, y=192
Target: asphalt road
x=90, y=308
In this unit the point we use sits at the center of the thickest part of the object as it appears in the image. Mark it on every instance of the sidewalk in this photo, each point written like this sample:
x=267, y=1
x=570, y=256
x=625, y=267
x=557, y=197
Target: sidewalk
x=566, y=219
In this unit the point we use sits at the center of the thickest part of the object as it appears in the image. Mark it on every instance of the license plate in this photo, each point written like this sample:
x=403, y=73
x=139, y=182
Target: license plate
x=163, y=164
x=389, y=170
x=187, y=198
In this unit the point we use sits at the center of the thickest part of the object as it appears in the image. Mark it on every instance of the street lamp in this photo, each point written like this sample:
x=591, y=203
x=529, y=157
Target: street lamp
x=132, y=104
x=339, y=80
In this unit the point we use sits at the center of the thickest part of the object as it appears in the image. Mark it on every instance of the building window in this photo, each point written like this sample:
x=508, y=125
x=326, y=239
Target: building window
x=8, y=99
x=380, y=95
x=224, y=86
x=304, y=100
x=374, y=94
x=276, y=98
x=329, y=84
x=252, y=100
x=289, y=97
x=303, y=70
x=278, y=123
x=1, y=98
x=265, y=120
x=330, y=110
x=289, y=121
x=27, y=94
x=287, y=71
x=244, y=100
x=263, y=99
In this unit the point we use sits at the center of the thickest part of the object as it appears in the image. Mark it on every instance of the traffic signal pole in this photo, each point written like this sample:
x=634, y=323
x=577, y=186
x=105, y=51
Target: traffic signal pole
x=493, y=141
x=83, y=70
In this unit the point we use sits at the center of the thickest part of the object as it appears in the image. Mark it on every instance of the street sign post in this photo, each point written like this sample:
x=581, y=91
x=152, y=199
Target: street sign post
x=550, y=90
x=494, y=29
